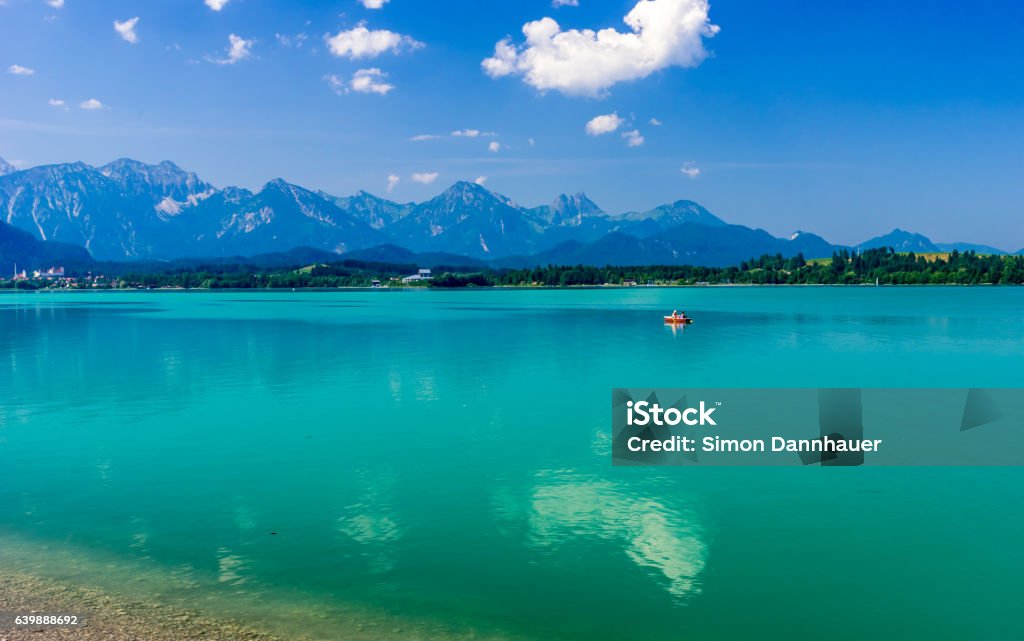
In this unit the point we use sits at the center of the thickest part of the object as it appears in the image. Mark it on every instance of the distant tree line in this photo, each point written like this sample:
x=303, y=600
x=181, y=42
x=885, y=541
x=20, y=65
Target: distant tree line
x=883, y=266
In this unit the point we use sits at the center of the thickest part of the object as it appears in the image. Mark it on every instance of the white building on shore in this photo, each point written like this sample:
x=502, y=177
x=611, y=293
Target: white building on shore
x=423, y=274
x=49, y=274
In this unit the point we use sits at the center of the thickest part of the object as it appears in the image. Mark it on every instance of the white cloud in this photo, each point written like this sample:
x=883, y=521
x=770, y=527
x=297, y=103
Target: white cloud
x=473, y=133
x=425, y=178
x=633, y=138
x=374, y=4
x=606, y=124
x=126, y=29
x=238, y=49
x=393, y=180
x=494, y=147
x=18, y=70
x=216, y=5
x=370, y=81
x=662, y=34
x=360, y=42
x=458, y=133
x=363, y=81
x=565, y=3
x=480, y=180
x=56, y=4
x=286, y=40
x=57, y=102
x=690, y=170
x=655, y=122
x=91, y=104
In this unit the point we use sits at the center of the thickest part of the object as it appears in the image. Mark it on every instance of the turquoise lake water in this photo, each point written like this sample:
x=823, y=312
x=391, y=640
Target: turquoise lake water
x=431, y=464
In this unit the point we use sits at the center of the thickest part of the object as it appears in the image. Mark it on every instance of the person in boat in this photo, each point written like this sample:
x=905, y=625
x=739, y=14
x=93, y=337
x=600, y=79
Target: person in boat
x=676, y=314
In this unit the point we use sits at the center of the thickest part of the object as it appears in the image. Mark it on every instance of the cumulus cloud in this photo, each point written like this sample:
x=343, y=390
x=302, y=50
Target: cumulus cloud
x=584, y=62
x=480, y=180
x=425, y=178
x=126, y=29
x=494, y=147
x=655, y=122
x=216, y=5
x=606, y=124
x=374, y=4
x=363, y=81
x=633, y=138
x=18, y=70
x=91, y=104
x=371, y=81
x=690, y=170
x=56, y=4
x=424, y=137
x=238, y=49
x=393, y=180
x=57, y=102
x=360, y=42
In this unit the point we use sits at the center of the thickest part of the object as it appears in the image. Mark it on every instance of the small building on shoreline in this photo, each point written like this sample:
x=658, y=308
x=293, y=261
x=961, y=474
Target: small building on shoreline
x=49, y=274
x=423, y=274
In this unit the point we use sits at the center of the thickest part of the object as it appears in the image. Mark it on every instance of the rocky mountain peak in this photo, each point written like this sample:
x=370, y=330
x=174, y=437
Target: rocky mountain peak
x=578, y=204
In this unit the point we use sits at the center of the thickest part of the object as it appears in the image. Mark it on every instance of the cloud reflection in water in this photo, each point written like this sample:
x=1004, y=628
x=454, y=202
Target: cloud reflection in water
x=565, y=506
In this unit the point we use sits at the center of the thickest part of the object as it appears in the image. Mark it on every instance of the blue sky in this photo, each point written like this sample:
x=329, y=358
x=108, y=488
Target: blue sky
x=842, y=118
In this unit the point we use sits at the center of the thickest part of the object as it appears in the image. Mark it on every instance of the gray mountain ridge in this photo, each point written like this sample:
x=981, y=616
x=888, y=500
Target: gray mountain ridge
x=6, y=168
x=21, y=251
x=902, y=240
x=130, y=210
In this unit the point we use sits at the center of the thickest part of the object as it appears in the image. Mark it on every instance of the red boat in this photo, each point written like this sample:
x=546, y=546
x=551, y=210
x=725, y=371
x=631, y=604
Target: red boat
x=678, y=320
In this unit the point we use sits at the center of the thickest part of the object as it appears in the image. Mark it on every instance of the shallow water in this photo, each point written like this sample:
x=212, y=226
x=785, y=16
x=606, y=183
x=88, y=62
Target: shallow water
x=437, y=462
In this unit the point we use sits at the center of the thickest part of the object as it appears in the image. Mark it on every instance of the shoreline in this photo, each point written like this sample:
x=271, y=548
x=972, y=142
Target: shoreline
x=69, y=290
x=107, y=613
x=105, y=616
x=119, y=599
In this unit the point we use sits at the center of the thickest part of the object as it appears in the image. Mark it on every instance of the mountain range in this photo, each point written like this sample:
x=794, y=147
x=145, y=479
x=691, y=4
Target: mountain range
x=129, y=210
x=20, y=249
x=905, y=241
